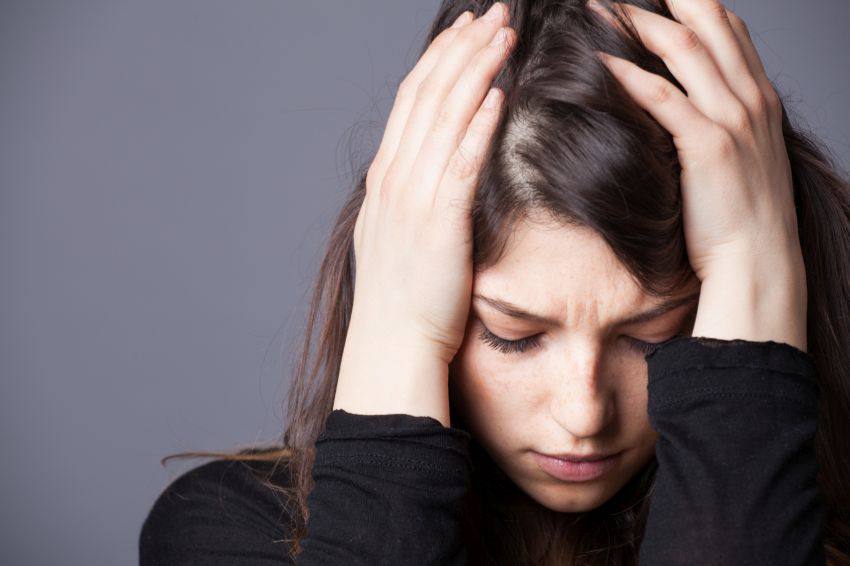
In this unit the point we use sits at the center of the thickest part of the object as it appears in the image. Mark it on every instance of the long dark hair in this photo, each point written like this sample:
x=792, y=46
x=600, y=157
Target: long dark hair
x=573, y=145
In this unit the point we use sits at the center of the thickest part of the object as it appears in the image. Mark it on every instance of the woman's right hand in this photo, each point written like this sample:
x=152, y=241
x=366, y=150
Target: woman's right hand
x=413, y=235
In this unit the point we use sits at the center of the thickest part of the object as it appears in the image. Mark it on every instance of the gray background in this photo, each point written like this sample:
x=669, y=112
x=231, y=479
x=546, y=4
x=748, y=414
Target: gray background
x=169, y=171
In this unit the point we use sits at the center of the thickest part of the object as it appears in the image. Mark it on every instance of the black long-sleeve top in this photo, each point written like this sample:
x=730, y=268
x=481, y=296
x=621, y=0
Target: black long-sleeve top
x=735, y=483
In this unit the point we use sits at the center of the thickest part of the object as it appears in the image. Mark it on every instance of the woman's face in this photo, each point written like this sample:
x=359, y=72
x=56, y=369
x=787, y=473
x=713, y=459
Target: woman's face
x=580, y=385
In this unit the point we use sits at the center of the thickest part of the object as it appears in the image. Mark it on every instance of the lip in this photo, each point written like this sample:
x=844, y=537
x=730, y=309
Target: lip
x=584, y=470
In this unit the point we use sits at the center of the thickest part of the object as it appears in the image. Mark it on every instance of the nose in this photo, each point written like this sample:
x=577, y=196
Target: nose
x=580, y=402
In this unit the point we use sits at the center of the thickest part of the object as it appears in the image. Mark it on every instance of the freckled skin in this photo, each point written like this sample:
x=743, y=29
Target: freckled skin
x=583, y=388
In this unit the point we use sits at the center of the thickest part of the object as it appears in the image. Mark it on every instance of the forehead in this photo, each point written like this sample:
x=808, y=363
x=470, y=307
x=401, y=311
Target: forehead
x=546, y=263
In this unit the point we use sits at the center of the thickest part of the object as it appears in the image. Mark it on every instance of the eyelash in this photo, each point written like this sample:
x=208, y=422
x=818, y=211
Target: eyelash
x=508, y=346
x=523, y=344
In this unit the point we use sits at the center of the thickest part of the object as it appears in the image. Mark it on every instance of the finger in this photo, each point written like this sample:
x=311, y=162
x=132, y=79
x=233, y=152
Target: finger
x=710, y=21
x=432, y=92
x=686, y=57
x=754, y=62
x=453, y=197
x=664, y=101
x=454, y=117
x=406, y=95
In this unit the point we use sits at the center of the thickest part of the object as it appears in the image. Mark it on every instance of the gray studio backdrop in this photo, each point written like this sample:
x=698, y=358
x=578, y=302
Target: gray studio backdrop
x=169, y=170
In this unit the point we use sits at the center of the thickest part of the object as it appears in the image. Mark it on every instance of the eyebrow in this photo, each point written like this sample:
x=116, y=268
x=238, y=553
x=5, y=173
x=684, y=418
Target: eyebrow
x=514, y=311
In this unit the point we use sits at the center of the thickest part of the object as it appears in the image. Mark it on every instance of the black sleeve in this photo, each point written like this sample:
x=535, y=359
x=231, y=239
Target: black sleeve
x=737, y=473
x=216, y=513
x=388, y=490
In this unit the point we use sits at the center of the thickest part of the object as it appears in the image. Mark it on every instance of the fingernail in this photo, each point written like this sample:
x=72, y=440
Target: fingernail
x=494, y=13
x=461, y=19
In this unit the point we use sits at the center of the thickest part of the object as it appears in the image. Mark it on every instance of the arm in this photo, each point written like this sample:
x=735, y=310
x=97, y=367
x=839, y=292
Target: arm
x=736, y=407
x=736, y=482
x=737, y=476
x=388, y=491
x=217, y=513
x=390, y=471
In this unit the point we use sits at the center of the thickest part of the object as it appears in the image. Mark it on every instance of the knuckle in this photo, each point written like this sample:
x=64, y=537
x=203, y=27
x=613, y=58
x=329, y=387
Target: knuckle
x=427, y=89
x=481, y=126
x=758, y=103
x=372, y=175
x=723, y=143
x=733, y=17
x=481, y=63
x=507, y=45
x=686, y=39
x=738, y=23
x=660, y=92
x=716, y=9
x=406, y=86
x=465, y=39
x=739, y=118
x=444, y=39
x=773, y=102
x=461, y=166
x=385, y=195
x=479, y=69
x=444, y=122
x=446, y=35
x=385, y=188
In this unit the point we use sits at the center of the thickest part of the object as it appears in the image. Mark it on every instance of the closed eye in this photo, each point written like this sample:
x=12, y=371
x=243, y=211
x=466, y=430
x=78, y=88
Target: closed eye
x=524, y=344
x=640, y=346
x=508, y=346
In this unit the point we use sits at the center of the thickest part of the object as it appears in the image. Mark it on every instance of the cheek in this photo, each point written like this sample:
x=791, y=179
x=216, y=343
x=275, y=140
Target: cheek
x=632, y=415
x=630, y=380
x=487, y=390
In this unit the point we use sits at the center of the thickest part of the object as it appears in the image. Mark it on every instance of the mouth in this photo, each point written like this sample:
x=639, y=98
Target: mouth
x=576, y=471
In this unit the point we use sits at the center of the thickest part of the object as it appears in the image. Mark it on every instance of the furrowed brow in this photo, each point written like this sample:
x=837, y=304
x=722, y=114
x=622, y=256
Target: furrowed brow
x=514, y=311
x=663, y=308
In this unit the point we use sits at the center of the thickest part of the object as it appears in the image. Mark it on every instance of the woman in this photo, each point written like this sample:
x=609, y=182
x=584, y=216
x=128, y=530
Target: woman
x=600, y=317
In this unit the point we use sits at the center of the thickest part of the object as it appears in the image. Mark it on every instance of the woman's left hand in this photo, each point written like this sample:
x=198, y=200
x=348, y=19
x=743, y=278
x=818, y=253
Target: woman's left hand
x=739, y=218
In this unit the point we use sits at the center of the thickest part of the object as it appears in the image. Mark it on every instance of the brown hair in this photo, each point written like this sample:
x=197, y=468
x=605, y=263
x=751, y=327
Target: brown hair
x=573, y=145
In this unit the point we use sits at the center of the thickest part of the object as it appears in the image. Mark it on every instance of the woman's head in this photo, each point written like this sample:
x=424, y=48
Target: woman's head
x=574, y=383
x=577, y=217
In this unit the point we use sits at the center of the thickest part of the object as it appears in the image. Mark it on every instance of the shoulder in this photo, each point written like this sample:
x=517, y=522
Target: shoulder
x=219, y=511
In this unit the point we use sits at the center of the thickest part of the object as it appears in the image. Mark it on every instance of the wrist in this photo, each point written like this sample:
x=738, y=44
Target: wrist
x=755, y=302
x=378, y=377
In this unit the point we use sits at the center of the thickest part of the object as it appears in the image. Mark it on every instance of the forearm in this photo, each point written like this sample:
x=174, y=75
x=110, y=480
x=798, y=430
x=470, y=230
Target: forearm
x=737, y=475
x=736, y=416
x=379, y=378
x=757, y=300
x=389, y=489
